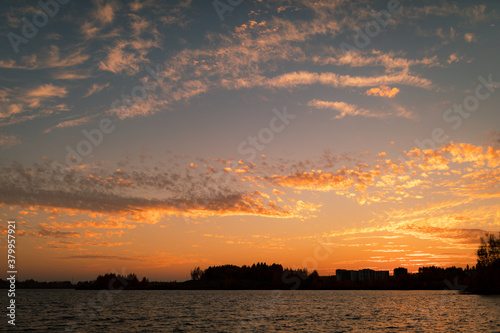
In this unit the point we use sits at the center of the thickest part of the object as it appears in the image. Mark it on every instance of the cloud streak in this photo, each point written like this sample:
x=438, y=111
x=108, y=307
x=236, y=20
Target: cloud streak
x=344, y=109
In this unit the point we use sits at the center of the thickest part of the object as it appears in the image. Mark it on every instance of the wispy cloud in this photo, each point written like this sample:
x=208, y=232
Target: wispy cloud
x=375, y=58
x=45, y=91
x=48, y=58
x=344, y=109
x=9, y=141
x=125, y=56
x=98, y=257
x=473, y=14
x=95, y=88
x=102, y=15
x=71, y=123
x=18, y=105
x=470, y=37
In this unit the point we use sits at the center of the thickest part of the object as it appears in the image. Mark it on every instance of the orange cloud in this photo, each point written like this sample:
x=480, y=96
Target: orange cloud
x=95, y=88
x=454, y=169
x=104, y=222
x=376, y=58
x=354, y=110
x=45, y=91
x=47, y=58
x=344, y=109
x=294, y=79
x=70, y=123
x=383, y=91
x=115, y=194
x=315, y=180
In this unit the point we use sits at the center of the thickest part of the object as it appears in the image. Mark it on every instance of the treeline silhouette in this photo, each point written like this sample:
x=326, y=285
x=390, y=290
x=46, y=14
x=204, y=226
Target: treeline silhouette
x=264, y=276
x=113, y=281
x=487, y=279
x=257, y=276
x=483, y=279
x=32, y=284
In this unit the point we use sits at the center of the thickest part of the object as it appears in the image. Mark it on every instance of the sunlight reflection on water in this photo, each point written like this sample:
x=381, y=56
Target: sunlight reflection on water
x=257, y=311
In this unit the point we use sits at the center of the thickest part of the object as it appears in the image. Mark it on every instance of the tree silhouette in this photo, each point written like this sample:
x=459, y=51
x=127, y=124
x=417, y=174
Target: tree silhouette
x=196, y=273
x=489, y=250
x=487, y=280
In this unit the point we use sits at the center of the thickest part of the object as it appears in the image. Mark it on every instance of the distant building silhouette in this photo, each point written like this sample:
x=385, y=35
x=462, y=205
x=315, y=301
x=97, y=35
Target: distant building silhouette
x=400, y=272
x=361, y=275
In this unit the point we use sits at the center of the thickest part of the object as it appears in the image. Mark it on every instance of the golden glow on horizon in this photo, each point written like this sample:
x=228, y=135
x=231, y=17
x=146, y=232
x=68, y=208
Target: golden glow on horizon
x=415, y=232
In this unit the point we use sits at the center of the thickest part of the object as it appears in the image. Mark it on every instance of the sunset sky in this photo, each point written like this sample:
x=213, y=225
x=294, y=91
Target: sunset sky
x=156, y=136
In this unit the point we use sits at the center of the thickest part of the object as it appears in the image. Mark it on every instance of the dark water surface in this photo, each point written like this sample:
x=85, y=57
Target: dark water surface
x=253, y=311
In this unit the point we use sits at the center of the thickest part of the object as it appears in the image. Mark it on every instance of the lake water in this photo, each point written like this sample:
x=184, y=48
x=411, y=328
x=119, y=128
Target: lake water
x=253, y=311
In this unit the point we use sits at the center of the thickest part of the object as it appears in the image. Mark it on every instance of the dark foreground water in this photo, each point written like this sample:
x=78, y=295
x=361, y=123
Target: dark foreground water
x=253, y=311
